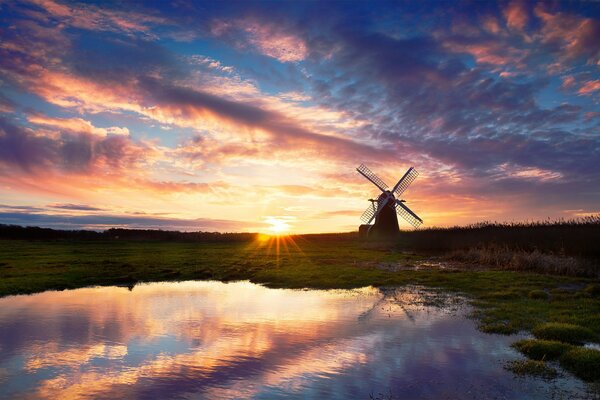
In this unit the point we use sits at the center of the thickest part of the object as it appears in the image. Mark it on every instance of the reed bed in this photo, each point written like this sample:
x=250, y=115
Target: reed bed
x=574, y=237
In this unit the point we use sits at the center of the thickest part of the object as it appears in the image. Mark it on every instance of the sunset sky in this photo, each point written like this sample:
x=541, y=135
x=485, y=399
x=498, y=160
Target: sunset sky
x=242, y=116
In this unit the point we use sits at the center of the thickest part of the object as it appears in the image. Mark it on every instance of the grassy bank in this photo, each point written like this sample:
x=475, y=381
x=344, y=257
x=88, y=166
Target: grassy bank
x=505, y=301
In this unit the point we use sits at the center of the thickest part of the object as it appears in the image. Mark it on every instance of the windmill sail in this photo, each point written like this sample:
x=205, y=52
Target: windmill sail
x=372, y=211
x=377, y=181
x=405, y=181
x=407, y=214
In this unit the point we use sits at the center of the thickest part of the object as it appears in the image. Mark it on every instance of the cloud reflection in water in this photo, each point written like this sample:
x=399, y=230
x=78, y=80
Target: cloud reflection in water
x=240, y=340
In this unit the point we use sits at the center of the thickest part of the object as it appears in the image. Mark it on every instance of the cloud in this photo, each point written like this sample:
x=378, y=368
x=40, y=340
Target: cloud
x=175, y=103
x=486, y=99
x=516, y=15
x=163, y=100
x=210, y=63
x=6, y=105
x=32, y=151
x=458, y=115
x=76, y=125
x=106, y=221
x=494, y=50
x=98, y=19
x=589, y=87
x=270, y=39
x=75, y=207
x=338, y=213
x=569, y=35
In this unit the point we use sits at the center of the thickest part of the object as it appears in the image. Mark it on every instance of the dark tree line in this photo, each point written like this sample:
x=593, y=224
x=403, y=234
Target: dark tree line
x=37, y=233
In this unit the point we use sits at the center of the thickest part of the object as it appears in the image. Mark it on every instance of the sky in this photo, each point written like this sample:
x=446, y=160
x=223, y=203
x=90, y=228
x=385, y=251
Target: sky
x=253, y=116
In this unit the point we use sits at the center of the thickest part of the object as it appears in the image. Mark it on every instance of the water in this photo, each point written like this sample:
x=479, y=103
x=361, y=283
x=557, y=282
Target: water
x=210, y=340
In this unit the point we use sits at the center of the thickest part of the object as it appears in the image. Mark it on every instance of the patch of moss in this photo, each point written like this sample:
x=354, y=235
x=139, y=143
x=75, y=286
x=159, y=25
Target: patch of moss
x=538, y=295
x=542, y=349
x=582, y=362
x=532, y=368
x=568, y=333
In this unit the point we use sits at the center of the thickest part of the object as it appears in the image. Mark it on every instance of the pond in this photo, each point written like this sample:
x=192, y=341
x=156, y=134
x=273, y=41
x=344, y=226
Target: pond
x=218, y=340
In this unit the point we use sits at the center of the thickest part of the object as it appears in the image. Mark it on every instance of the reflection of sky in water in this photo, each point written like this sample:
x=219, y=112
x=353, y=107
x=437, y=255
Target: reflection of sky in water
x=239, y=340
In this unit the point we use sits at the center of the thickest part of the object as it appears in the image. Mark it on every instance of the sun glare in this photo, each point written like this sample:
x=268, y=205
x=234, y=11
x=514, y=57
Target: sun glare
x=278, y=225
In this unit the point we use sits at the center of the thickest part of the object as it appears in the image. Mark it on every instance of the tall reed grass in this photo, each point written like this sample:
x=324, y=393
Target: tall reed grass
x=578, y=237
x=565, y=247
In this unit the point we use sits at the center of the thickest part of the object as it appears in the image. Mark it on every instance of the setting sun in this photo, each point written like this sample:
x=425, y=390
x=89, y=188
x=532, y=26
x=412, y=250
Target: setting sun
x=279, y=225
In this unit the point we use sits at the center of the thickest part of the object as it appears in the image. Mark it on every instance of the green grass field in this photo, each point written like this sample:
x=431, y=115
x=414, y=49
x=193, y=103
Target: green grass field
x=504, y=301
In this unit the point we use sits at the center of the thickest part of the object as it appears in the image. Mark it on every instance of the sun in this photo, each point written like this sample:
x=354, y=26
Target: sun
x=278, y=225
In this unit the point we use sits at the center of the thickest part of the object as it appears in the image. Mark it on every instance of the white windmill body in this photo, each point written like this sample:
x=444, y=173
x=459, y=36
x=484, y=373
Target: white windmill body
x=385, y=209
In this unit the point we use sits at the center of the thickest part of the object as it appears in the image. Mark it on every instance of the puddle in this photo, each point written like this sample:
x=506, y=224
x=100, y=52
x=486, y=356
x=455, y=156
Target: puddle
x=239, y=340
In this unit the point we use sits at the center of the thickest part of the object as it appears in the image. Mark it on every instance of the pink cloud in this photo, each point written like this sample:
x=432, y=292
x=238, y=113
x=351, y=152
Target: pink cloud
x=568, y=81
x=275, y=136
x=269, y=39
x=490, y=52
x=99, y=19
x=273, y=43
x=576, y=36
x=516, y=15
x=491, y=25
x=39, y=152
x=76, y=125
x=589, y=87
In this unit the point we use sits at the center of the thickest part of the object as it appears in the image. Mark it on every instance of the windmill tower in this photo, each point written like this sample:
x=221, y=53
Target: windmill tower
x=387, y=207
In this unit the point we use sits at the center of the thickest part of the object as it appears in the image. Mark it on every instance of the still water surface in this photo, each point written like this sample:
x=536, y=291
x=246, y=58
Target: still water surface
x=210, y=340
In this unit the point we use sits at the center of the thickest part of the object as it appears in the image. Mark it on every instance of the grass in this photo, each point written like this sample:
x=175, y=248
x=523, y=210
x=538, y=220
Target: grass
x=505, y=258
x=583, y=363
x=533, y=368
x=567, y=238
x=540, y=350
x=563, y=332
x=505, y=301
x=593, y=289
x=538, y=294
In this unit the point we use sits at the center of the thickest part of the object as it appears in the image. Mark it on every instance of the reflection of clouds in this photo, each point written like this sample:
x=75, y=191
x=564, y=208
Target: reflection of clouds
x=49, y=355
x=219, y=326
x=240, y=340
x=195, y=365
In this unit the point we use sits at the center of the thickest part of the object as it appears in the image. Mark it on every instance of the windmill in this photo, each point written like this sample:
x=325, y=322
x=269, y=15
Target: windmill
x=386, y=208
